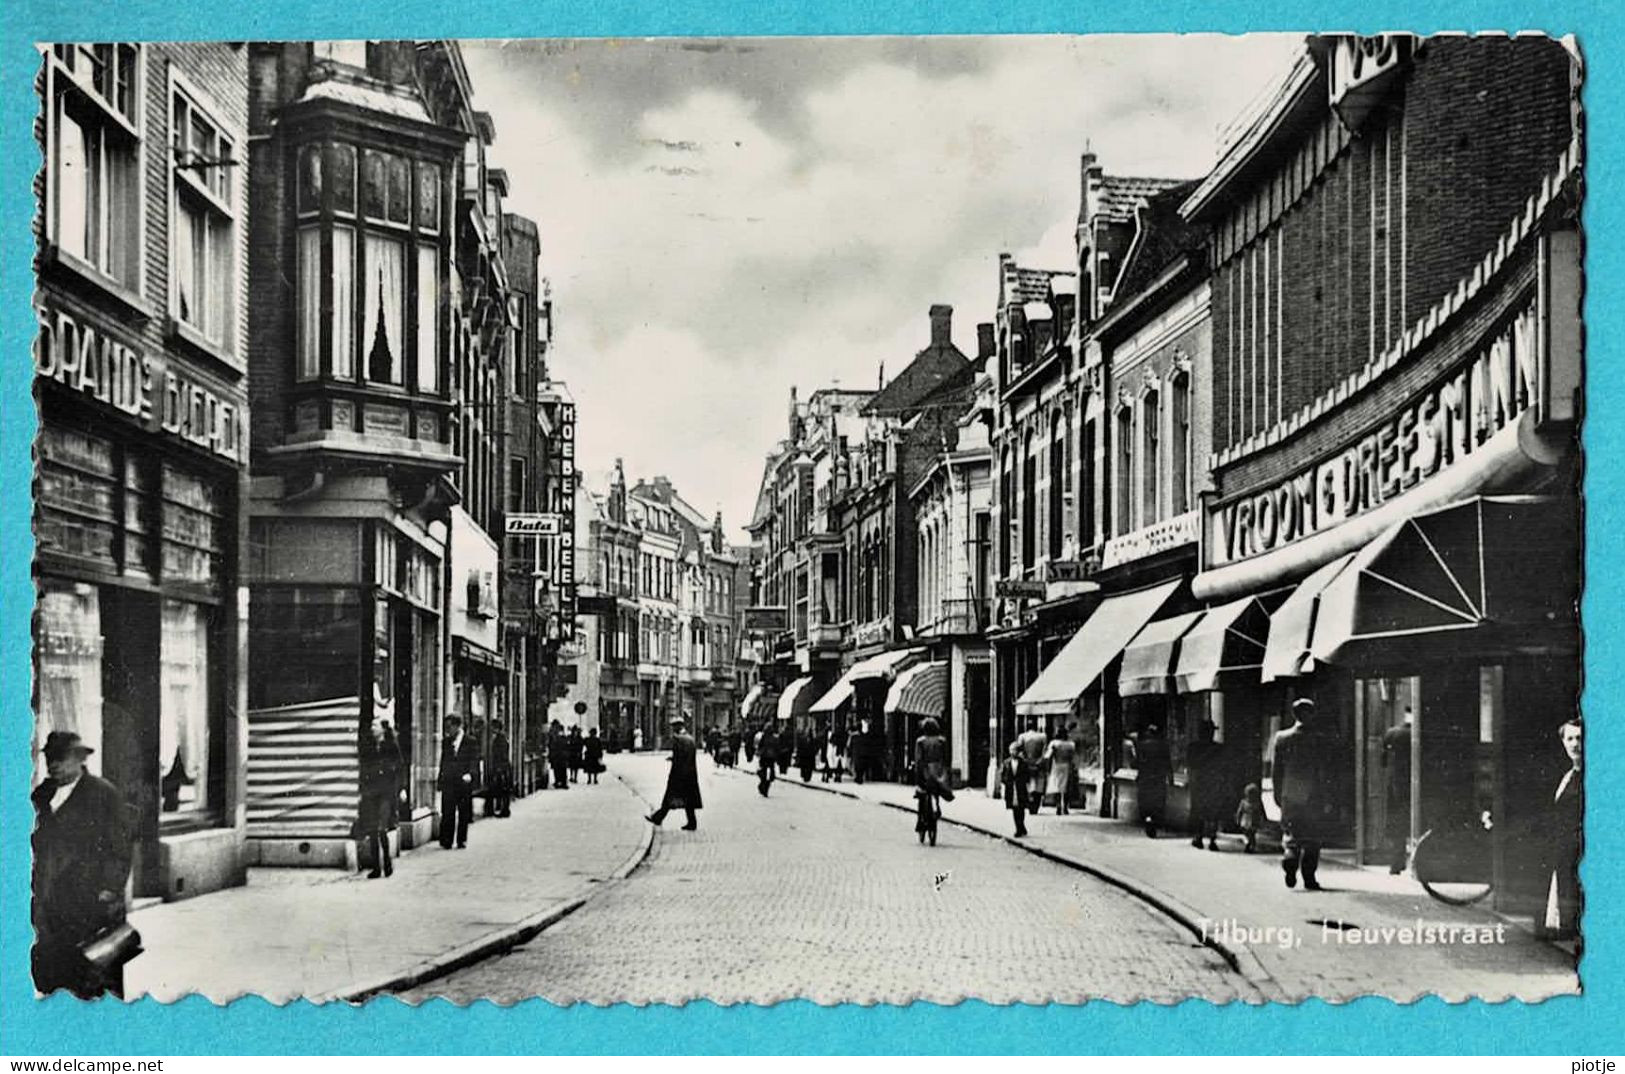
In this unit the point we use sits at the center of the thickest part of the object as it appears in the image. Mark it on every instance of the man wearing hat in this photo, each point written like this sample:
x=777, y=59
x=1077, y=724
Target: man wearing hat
x=459, y=764
x=683, y=782
x=1302, y=780
x=82, y=855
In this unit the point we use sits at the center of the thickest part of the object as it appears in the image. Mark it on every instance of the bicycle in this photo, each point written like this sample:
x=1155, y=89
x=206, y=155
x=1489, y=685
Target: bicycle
x=926, y=815
x=1453, y=863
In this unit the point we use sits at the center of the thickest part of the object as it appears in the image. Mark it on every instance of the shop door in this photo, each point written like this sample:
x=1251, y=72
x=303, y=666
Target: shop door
x=1384, y=711
x=977, y=697
x=406, y=717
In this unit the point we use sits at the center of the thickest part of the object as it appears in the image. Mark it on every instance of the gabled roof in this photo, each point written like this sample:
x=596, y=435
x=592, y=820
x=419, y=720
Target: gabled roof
x=1121, y=195
x=928, y=371
x=1163, y=236
x=1023, y=285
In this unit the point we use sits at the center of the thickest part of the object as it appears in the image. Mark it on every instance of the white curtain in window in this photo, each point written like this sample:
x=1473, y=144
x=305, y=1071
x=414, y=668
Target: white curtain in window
x=343, y=302
x=183, y=715
x=73, y=188
x=191, y=262
x=384, y=309
x=310, y=303
x=68, y=648
x=428, y=319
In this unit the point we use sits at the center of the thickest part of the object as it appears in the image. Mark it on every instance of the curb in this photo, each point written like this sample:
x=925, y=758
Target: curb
x=1239, y=957
x=492, y=943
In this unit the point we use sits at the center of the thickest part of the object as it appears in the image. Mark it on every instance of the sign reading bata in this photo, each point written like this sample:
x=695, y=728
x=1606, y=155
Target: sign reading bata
x=1444, y=425
x=141, y=386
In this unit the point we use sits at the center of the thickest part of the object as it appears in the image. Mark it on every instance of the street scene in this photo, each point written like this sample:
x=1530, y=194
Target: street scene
x=864, y=520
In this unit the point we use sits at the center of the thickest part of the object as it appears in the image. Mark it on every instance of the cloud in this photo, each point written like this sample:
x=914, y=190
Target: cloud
x=722, y=220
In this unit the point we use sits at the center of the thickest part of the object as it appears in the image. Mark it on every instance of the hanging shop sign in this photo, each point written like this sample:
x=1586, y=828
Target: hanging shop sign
x=533, y=525
x=1019, y=587
x=145, y=388
x=1443, y=426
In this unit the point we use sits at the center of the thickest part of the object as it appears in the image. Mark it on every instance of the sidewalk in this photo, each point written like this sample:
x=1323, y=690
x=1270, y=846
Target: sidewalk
x=1291, y=943
x=325, y=935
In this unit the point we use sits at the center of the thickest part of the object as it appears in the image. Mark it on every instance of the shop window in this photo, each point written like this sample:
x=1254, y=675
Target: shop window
x=306, y=642
x=68, y=649
x=185, y=708
x=76, y=511
x=93, y=148
x=192, y=529
x=203, y=260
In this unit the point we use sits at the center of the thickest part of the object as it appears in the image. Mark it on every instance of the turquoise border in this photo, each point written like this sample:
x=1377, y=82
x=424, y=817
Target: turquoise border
x=62, y=1027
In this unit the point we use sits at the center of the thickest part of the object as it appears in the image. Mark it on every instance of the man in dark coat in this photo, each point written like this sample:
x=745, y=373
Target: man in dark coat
x=82, y=857
x=1302, y=773
x=1152, y=766
x=1562, y=846
x=501, y=781
x=767, y=758
x=683, y=782
x=1208, y=785
x=459, y=764
x=1396, y=767
x=558, y=756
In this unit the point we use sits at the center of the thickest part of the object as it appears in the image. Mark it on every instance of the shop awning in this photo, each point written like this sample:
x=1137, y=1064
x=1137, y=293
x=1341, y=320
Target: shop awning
x=795, y=699
x=922, y=690
x=1094, y=646
x=1225, y=648
x=1286, y=652
x=1148, y=661
x=1482, y=579
x=761, y=703
x=836, y=695
x=884, y=665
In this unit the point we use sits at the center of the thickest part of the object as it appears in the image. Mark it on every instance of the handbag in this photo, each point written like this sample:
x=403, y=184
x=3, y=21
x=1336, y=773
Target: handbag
x=112, y=948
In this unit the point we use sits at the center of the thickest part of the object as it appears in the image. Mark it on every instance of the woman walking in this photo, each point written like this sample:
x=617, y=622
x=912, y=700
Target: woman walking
x=575, y=747
x=930, y=778
x=806, y=754
x=380, y=789
x=592, y=755
x=832, y=756
x=1062, y=758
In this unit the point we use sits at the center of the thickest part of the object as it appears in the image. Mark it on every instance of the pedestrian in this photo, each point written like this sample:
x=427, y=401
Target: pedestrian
x=1303, y=771
x=735, y=742
x=857, y=750
x=1062, y=757
x=1076, y=791
x=500, y=786
x=767, y=758
x=558, y=756
x=1034, y=743
x=930, y=765
x=832, y=756
x=806, y=753
x=82, y=855
x=713, y=742
x=1152, y=769
x=1562, y=843
x=1396, y=768
x=1205, y=781
x=1013, y=778
x=381, y=790
x=574, y=745
x=459, y=760
x=637, y=740
x=683, y=781
x=1250, y=816
x=786, y=740
x=592, y=755
x=751, y=738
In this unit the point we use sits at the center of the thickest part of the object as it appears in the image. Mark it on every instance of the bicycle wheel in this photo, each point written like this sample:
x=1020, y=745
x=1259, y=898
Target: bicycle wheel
x=1446, y=865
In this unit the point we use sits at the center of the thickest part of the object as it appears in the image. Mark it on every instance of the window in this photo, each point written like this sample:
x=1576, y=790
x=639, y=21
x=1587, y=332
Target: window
x=1086, y=486
x=1029, y=504
x=93, y=125
x=1179, y=479
x=1150, y=457
x=1057, y=481
x=184, y=706
x=1123, y=502
x=371, y=287
x=516, y=485
x=1007, y=495
x=203, y=260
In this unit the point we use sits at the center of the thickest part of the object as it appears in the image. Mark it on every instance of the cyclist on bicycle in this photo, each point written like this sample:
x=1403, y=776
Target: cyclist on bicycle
x=930, y=776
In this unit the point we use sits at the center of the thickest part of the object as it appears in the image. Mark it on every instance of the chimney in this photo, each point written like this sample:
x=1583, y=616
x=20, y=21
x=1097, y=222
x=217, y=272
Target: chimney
x=942, y=326
x=1093, y=179
x=985, y=344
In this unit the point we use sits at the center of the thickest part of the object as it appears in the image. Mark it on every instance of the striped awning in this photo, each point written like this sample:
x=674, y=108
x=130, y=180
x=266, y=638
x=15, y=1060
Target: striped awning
x=796, y=698
x=837, y=695
x=884, y=665
x=761, y=703
x=921, y=690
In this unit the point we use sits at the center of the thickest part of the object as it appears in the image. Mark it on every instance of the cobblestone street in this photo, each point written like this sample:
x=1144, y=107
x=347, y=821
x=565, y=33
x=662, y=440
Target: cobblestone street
x=818, y=897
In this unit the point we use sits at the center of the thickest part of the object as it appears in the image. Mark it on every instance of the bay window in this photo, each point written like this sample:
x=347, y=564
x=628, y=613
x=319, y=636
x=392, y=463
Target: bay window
x=93, y=143
x=370, y=254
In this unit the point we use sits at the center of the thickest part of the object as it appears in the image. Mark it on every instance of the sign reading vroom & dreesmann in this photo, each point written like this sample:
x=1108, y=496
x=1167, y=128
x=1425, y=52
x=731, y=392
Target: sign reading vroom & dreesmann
x=1439, y=428
x=143, y=387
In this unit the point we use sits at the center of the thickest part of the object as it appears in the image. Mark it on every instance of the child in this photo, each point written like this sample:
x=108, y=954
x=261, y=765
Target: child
x=1250, y=815
x=1014, y=775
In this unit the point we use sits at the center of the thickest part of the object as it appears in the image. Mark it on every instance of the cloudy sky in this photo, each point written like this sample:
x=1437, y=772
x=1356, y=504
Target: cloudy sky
x=722, y=220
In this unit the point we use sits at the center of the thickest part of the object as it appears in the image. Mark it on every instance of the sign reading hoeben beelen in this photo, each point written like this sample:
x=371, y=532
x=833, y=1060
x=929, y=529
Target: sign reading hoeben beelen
x=1438, y=429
